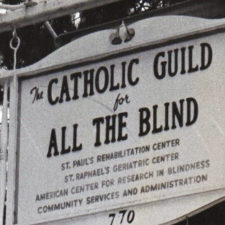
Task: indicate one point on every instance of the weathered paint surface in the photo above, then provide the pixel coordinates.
(63, 126)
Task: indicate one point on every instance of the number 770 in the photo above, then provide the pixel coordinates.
(130, 216)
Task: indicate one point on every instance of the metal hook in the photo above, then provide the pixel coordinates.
(14, 33)
(18, 43)
(17, 39)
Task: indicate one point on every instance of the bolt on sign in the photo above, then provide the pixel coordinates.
(104, 127)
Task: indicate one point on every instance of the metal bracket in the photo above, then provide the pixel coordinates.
(30, 3)
(51, 30)
(122, 35)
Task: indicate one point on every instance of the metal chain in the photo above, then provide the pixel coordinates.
(15, 49)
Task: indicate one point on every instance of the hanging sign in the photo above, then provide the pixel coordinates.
(131, 129)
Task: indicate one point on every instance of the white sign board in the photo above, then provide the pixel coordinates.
(128, 130)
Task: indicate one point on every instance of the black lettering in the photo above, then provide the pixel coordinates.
(88, 82)
(183, 61)
(206, 47)
(75, 147)
(64, 90)
(191, 67)
(51, 101)
(123, 74)
(113, 87)
(130, 68)
(177, 114)
(110, 127)
(166, 116)
(106, 79)
(173, 61)
(53, 144)
(155, 128)
(75, 76)
(64, 150)
(98, 122)
(191, 120)
(122, 125)
(145, 126)
(163, 66)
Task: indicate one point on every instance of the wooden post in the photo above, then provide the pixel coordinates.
(3, 152)
(11, 201)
